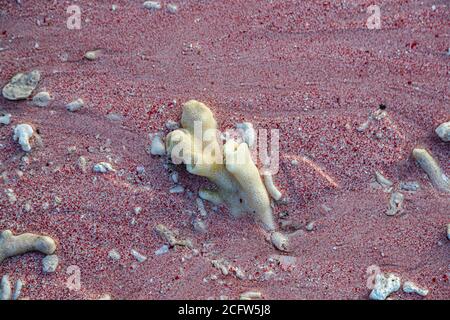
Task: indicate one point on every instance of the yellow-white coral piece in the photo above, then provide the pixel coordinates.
(23, 133)
(280, 241)
(271, 188)
(230, 167)
(11, 245)
(432, 169)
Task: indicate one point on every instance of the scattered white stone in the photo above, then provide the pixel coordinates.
(157, 147)
(82, 164)
(294, 162)
(5, 288)
(75, 105)
(382, 180)
(114, 7)
(385, 285)
(174, 177)
(105, 297)
(5, 119)
(50, 263)
(172, 8)
(443, 131)
(114, 255)
(152, 5)
(172, 125)
(164, 249)
(310, 226)
(395, 204)
(23, 133)
(411, 287)
(140, 169)
(92, 55)
(139, 257)
(410, 186)
(17, 289)
(21, 85)
(199, 226)
(248, 133)
(201, 207)
(103, 167)
(448, 231)
(177, 189)
(11, 195)
(250, 295)
(433, 7)
(137, 210)
(42, 99)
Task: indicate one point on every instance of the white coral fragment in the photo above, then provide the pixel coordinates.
(271, 188)
(385, 285)
(11, 245)
(432, 169)
(103, 167)
(411, 287)
(23, 134)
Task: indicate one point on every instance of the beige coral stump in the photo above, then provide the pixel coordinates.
(11, 245)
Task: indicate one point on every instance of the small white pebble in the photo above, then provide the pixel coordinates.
(50, 263)
(17, 290)
(42, 99)
(75, 105)
(172, 8)
(174, 177)
(114, 255)
(177, 189)
(139, 257)
(92, 55)
(152, 5)
(172, 125)
(443, 131)
(157, 147)
(310, 226)
(5, 119)
(140, 169)
(248, 133)
(201, 207)
(199, 226)
(164, 249)
(249, 295)
(103, 167)
(11, 195)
